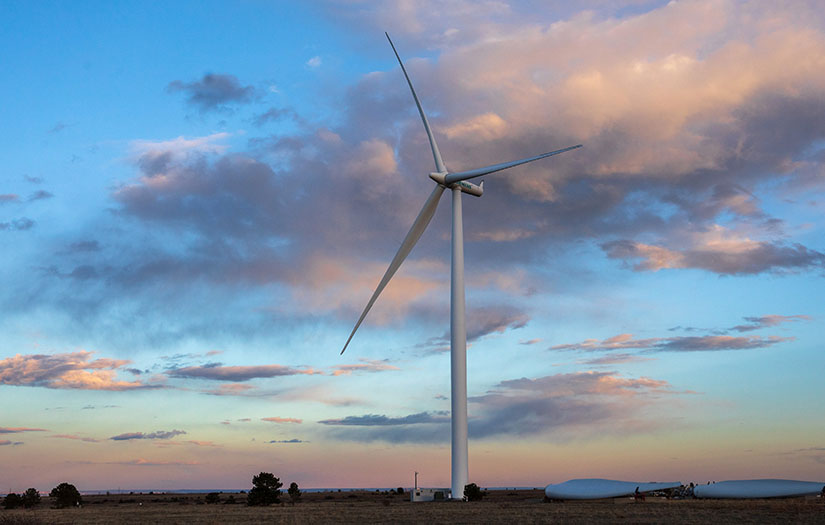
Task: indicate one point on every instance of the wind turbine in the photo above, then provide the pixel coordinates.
(457, 183)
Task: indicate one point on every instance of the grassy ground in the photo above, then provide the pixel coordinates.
(365, 507)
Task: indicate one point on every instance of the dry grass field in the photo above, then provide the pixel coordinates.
(512, 507)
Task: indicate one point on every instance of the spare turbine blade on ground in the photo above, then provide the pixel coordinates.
(471, 174)
(439, 164)
(418, 227)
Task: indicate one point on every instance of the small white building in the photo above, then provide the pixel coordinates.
(421, 494)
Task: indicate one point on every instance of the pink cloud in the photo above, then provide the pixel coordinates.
(276, 419)
(615, 359)
(238, 373)
(755, 323)
(366, 365)
(77, 438)
(231, 389)
(66, 371)
(675, 344)
(15, 430)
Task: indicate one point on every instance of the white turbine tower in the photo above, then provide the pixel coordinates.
(457, 182)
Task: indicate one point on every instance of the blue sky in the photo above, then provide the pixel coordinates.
(197, 200)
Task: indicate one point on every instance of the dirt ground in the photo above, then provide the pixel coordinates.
(523, 506)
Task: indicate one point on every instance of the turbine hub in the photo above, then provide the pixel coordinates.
(439, 177)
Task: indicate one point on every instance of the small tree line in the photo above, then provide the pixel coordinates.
(266, 490)
(64, 495)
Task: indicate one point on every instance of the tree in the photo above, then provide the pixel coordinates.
(266, 489)
(400, 491)
(30, 498)
(472, 492)
(213, 497)
(294, 492)
(66, 495)
(12, 501)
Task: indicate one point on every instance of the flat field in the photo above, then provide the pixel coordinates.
(511, 507)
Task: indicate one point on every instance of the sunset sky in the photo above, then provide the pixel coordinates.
(197, 200)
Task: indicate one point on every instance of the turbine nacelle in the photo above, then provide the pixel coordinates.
(470, 188)
(466, 187)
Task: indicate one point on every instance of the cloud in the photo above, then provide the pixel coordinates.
(214, 91)
(740, 257)
(755, 323)
(40, 195)
(58, 127)
(295, 440)
(366, 365)
(674, 344)
(73, 370)
(278, 114)
(139, 462)
(276, 419)
(581, 404)
(76, 438)
(615, 359)
(202, 443)
(584, 403)
(718, 342)
(156, 157)
(529, 341)
(482, 322)
(370, 420)
(4, 442)
(314, 62)
(21, 224)
(84, 246)
(159, 434)
(313, 215)
(423, 427)
(8, 197)
(231, 389)
(15, 430)
(218, 372)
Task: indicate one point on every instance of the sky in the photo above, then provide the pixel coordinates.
(197, 200)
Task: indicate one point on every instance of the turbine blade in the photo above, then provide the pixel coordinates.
(464, 175)
(418, 227)
(439, 164)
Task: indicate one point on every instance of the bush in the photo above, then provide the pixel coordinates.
(12, 501)
(400, 491)
(213, 497)
(30, 498)
(66, 495)
(473, 493)
(294, 492)
(266, 489)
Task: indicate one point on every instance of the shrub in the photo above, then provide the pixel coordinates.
(294, 492)
(66, 495)
(213, 497)
(472, 492)
(266, 489)
(400, 491)
(12, 501)
(30, 498)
